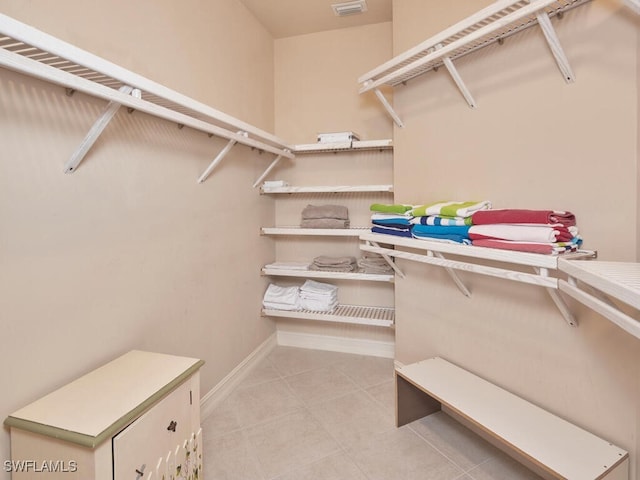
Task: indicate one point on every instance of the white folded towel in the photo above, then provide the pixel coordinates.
(283, 298)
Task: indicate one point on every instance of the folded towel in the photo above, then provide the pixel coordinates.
(327, 261)
(523, 233)
(453, 233)
(385, 218)
(311, 286)
(325, 211)
(450, 209)
(390, 208)
(531, 247)
(392, 231)
(439, 220)
(402, 225)
(283, 298)
(511, 215)
(324, 223)
(371, 262)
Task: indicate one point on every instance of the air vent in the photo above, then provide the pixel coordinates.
(349, 8)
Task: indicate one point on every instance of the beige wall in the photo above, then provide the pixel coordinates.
(129, 251)
(533, 142)
(316, 87)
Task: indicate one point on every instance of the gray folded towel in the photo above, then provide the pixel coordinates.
(325, 211)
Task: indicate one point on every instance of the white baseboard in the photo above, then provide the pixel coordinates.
(218, 393)
(360, 346)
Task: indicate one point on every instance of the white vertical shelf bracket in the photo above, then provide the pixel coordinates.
(554, 45)
(223, 153)
(268, 170)
(454, 276)
(387, 259)
(453, 71)
(97, 129)
(564, 309)
(387, 106)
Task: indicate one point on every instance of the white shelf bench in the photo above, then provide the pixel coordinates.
(550, 446)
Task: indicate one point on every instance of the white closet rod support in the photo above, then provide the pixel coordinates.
(564, 309)
(267, 171)
(387, 106)
(223, 153)
(454, 276)
(622, 320)
(554, 45)
(453, 71)
(95, 131)
(374, 247)
(30, 67)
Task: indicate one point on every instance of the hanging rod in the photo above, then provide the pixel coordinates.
(31, 52)
(491, 24)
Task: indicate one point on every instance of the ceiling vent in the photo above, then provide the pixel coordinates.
(349, 8)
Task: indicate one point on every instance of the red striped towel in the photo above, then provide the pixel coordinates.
(513, 215)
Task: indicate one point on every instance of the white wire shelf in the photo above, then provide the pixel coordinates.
(319, 232)
(361, 145)
(34, 53)
(369, 277)
(492, 24)
(433, 253)
(328, 189)
(619, 280)
(354, 314)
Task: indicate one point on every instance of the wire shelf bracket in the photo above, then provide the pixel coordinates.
(492, 24)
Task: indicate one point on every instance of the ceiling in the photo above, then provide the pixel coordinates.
(286, 18)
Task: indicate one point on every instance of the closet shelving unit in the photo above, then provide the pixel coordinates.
(352, 314)
(32, 52)
(492, 24)
(472, 260)
(594, 283)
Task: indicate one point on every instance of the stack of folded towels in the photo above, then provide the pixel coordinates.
(325, 216)
(445, 221)
(312, 295)
(325, 263)
(536, 231)
(391, 219)
(374, 263)
(317, 296)
(281, 298)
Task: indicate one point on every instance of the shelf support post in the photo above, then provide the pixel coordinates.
(554, 44)
(223, 153)
(387, 106)
(96, 130)
(453, 71)
(387, 259)
(454, 276)
(558, 300)
(268, 170)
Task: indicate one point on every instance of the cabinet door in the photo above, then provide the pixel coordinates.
(137, 448)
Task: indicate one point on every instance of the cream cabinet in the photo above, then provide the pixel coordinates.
(137, 417)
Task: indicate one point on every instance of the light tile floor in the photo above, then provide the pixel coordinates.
(314, 415)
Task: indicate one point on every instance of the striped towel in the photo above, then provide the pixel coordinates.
(397, 209)
(450, 209)
(439, 220)
(458, 234)
(523, 233)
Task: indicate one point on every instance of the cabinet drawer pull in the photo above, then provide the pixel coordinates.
(172, 426)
